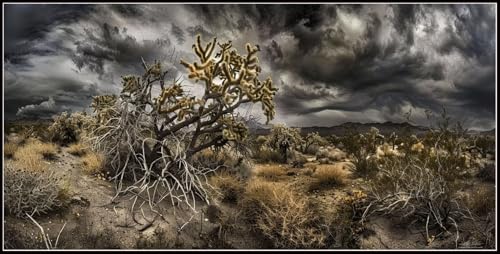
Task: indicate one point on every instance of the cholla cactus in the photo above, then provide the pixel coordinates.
(30, 192)
(280, 132)
(103, 105)
(312, 139)
(168, 128)
(68, 128)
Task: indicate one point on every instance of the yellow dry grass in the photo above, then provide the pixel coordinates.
(272, 171)
(281, 214)
(77, 149)
(227, 187)
(9, 149)
(93, 163)
(31, 155)
(329, 175)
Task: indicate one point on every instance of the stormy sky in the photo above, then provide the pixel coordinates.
(332, 63)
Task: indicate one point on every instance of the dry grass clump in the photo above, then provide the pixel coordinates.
(228, 187)
(93, 163)
(9, 149)
(36, 148)
(267, 155)
(482, 200)
(77, 149)
(328, 175)
(28, 157)
(271, 172)
(282, 215)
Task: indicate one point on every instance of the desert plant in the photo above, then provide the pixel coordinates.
(328, 175)
(227, 186)
(152, 139)
(482, 200)
(312, 139)
(30, 156)
(282, 215)
(271, 172)
(69, 128)
(77, 149)
(30, 192)
(267, 155)
(93, 163)
(283, 139)
(9, 149)
(416, 188)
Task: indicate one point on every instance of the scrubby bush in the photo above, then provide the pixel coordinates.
(482, 200)
(69, 128)
(284, 139)
(363, 148)
(283, 216)
(30, 192)
(328, 175)
(267, 155)
(77, 149)
(312, 142)
(272, 172)
(93, 163)
(227, 186)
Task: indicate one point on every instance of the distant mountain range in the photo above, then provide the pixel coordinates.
(261, 129)
(385, 129)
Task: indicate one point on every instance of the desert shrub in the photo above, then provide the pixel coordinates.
(228, 187)
(9, 149)
(312, 142)
(30, 192)
(266, 155)
(282, 215)
(284, 139)
(271, 172)
(93, 163)
(77, 149)
(69, 128)
(414, 188)
(328, 175)
(482, 200)
(363, 148)
(176, 124)
(330, 153)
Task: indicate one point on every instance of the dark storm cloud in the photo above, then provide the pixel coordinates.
(109, 43)
(178, 33)
(25, 24)
(338, 59)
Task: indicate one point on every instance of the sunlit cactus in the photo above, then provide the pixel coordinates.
(167, 126)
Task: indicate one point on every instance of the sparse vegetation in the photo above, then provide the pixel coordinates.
(9, 149)
(271, 172)
(30, 192)
(77, 149)
(227, 186)
(282, 215)
(93, 163)
(329, 175)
